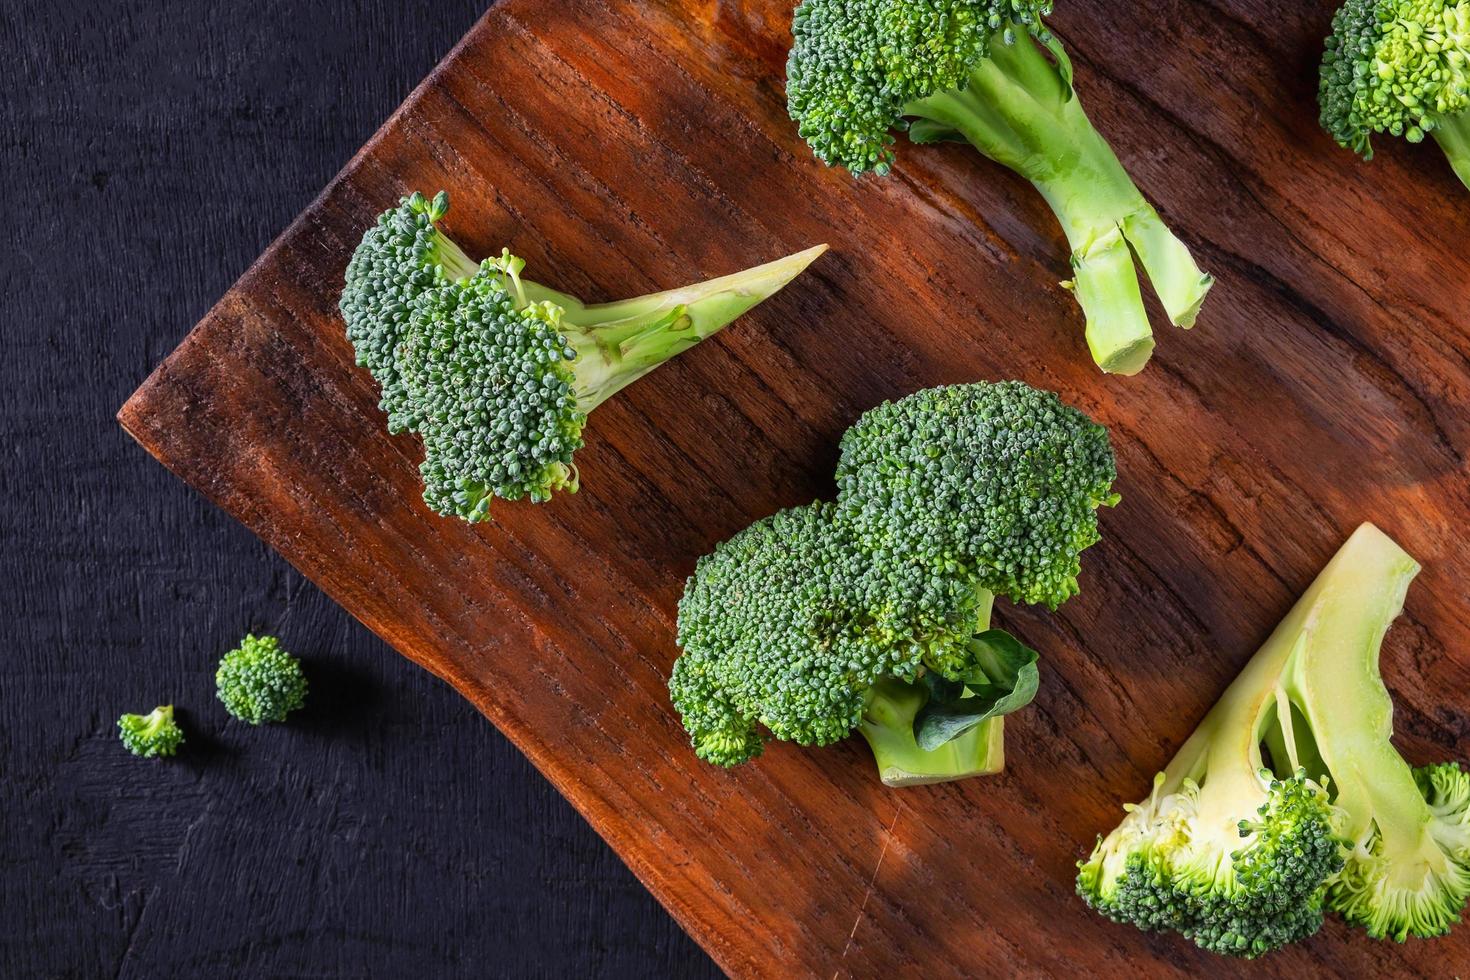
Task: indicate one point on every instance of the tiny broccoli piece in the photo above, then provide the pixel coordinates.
(1289, 798)
(497, 373)
(999, 483)
(259, 682)
(872, 613)
(989, 73)
(151, 735)
(1400, 67)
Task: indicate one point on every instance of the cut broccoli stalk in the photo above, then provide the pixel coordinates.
(888, 726)
(1290, 797)
(618, 343)
(1452, 133)
(934, 729)
(1019, 109)
(1408, 869)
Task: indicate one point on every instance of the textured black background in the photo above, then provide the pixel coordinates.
(149, 152)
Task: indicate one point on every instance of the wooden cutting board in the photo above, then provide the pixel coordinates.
(626, 148)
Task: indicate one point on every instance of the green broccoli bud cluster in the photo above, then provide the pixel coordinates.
(1241, 880)
(151, 735)
(259, 682)
(492, 387)
(824, 618)
(1394, 66)
(856, 64)
(770, 627)
(402, 258)
(998, 483)
(464, 359)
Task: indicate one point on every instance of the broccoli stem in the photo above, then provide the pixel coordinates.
(1338, 684)
(1452, 133)
(458, 266)
(618, 343)
(888, 725)
(1324, 658)
(1019, 109)
(452, 259)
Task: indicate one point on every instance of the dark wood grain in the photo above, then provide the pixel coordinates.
(625, 149)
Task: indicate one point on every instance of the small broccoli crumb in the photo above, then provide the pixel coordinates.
(259, 682)
(151, 735)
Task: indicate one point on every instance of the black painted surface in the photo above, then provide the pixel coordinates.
(150, 152)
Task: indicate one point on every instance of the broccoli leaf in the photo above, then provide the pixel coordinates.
(1004, 678)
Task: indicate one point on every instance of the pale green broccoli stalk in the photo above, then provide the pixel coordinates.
(1400, 67)
(873, 613)
(497, 373)
(151, 735)
(259, 682)
(989, 73)
(1290, 798)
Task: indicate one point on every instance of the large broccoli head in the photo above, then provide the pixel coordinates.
(492, 385)
(1394, 66)
(856, 64)
(775, 632)
(996, 483)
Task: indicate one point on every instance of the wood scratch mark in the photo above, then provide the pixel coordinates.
(873, 880)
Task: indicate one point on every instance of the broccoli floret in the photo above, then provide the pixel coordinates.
(1290, 797)
(770, 626)
(1400, 67)
(492, 385)
(873, 613)
(999, 483)
(401, 258)
(259, 682)
(790, 627)
(151, 735)
(989, 73)
(497, 373)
